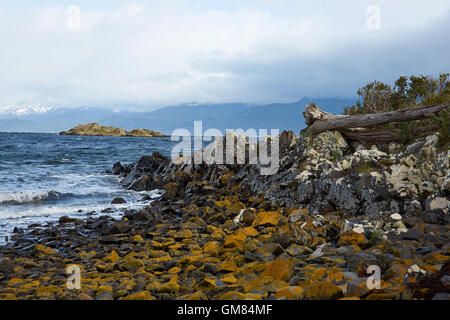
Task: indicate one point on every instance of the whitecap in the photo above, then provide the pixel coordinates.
(29, 196)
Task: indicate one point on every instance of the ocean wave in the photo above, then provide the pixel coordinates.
(154, 194)
(24, 197)
(53, 212)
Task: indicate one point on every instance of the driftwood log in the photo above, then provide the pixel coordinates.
(382, 136)
(351, 126)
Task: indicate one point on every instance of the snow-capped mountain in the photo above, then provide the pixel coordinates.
(24, 110)
(283, 116)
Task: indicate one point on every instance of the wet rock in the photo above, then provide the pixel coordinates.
(173, 190)
(151, 163)
(66, 219)
(139, 216)
(42, 251)
(6, 265)
(18, 230)
(182, 178)
(118, 228)
(117, 168)
(118, 201)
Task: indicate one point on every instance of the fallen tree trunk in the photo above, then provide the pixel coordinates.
(320, 121)
(383, 136)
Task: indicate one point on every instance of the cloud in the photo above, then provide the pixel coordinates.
(144, 55)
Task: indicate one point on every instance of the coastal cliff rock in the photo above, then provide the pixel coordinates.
(94, 129)
(324, 174)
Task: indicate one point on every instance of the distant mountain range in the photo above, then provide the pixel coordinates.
(283, 116)
(20, 110)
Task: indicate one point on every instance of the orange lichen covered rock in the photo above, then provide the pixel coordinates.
(279, 269)
(267, 218)
(320, 290)
(236, 240)
(436, 258)
(292, 293)
(351, 237)
(143, 295)
(211, 248)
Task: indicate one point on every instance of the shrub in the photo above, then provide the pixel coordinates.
(407, 93)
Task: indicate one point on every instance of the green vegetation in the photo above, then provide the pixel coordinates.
(364, 167)
(375, 235)
(408, 93)
(335, 156)
(442, 120)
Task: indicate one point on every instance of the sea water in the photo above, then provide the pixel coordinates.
(44, 176)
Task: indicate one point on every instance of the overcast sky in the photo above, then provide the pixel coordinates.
(147, 54)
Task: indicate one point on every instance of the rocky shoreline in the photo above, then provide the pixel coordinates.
(226, 232)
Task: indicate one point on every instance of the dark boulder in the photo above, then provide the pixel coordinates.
(151, 163)
(173, 191)
(66, 219)
(117, 168)
(118, 201)
(146, 183)
(117, 228)
(6, 266)
(17, 230)
(143, 175)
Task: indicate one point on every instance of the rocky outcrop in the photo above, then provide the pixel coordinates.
(94, 129)
(324, 174)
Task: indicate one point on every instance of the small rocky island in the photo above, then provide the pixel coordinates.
(94, 129)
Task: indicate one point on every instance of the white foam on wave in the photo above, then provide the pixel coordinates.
(58, 210)
(81, 184)
(42, 214)
(28, 196)
(154, 194)
(47, 211)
